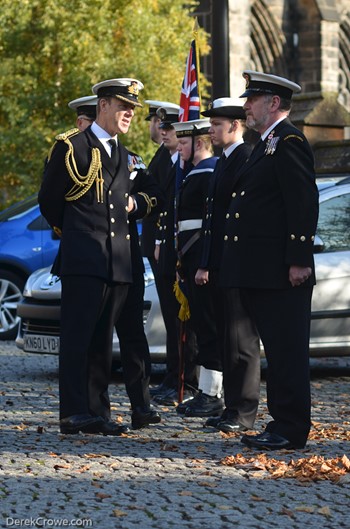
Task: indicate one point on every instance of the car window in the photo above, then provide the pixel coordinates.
(38, 224)
(334, 223)
(19, 209)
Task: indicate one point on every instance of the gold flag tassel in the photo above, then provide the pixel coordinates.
(184, 312)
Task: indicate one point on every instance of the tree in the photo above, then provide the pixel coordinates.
(52, 52)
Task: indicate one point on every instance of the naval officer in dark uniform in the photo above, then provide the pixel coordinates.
(85, 196)
(158, 168)
(268, 254)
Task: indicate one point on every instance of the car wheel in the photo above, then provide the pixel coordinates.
(11, 288)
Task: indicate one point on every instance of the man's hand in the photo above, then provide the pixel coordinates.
(201, 277)
(298, 274)
(156, 252)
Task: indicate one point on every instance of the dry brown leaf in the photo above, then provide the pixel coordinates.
(305, 508)
(257, 498)
(118, 513)
(325, 511)
(314, 468)
(102, 495)
(85, 468)
(57, 467)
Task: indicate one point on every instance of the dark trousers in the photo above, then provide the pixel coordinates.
(283, 321)
(89, 309)
(135, 356)
(241, 360)
(204, 321)
(170, 310)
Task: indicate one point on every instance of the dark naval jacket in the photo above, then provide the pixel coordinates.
(190, 206)
(272, 217)
(218, 199)
(84, 197)
(158, 168)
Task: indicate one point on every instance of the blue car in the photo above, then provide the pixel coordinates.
(26, 243)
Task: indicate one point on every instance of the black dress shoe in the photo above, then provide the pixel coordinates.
(108, 428)
(161, 389)
(189, 396)
(168, 398)
(143, 417)
(213, 421)
(267, 441)
(80, 423)
(230, 425)
(204, 405)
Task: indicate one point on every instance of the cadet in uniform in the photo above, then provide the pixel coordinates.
(237, 339)
(85, 197)
(268, 254)
(195, 147)
(85, 108)
(165, 255)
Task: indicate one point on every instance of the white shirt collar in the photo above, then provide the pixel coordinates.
(103, 136)
(174, 157)
(232, 147)
(267, 131)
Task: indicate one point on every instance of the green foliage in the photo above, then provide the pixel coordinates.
(52, 51)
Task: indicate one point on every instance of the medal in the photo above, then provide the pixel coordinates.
(271, 143)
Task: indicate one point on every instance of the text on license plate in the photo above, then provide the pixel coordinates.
(36, 343)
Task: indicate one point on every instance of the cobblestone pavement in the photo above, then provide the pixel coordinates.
(168, 476)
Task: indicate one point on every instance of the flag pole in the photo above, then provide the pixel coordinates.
(195, 38)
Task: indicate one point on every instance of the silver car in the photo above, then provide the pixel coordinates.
(330, 326)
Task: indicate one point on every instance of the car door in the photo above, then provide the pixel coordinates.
(330, 327)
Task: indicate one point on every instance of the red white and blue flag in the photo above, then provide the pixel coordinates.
(189, 100)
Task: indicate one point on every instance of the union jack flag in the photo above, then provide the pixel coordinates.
(189, 100)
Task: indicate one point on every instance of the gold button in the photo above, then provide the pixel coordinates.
(227, 215)
(302, 238)
(242, 193)
(126, 208)
(209, 232)
(161, 215)
(292, 237)
(127, 237)
(112, 234)
(312, 237)
(205, 232)
(109, 192)
(112, 220)
(126, 195)
(160, 228)
(164, 227)
(237, 215)
(235, 238)
(111, 206)
(225, 238)
(207, 216)
(234, 195)
(207, 199)
(165, 213)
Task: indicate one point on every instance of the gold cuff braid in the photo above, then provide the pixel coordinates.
(150, 201)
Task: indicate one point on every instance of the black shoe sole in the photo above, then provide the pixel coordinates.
(93, 427)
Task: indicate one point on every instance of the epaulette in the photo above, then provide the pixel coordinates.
(68, 134)
(293, 136)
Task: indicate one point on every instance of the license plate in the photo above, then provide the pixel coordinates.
(37, 343)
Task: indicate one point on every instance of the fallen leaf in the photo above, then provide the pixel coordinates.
(118, 513)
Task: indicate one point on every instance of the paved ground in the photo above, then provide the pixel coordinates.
(169, 476)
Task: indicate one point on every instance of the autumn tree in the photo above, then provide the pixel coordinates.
(52, 51)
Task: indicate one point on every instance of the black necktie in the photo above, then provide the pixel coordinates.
(114, 151)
